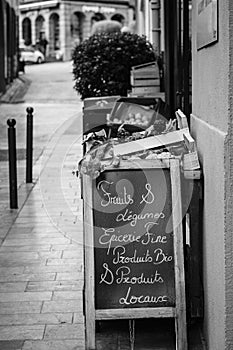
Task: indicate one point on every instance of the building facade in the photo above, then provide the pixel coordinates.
(66, 23)
(211, 123)
(9, 14)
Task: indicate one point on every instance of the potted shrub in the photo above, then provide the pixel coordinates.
(102, 63)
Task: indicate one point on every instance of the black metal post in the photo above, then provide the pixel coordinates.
(171, 70)
(186, 59)
(12, 164)
(29, 142)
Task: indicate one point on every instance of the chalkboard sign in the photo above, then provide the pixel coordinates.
(133, 246)
(133, 239)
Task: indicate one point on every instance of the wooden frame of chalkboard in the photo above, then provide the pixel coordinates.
(171, 303)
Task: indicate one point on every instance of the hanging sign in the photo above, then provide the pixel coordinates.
(207, 28)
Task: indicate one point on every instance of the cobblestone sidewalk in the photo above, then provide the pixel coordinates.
(41, 273)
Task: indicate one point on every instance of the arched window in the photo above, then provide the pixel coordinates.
(54, 32)
(119, 18)
(39, 27)
(76, 27)
(27, 31)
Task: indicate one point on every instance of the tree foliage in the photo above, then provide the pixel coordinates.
(102, 63)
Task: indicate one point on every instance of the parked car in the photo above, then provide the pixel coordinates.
(29, 54)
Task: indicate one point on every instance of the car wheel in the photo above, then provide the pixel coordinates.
(39, 60)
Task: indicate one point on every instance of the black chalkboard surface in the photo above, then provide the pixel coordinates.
(133, 239)
(133, 245)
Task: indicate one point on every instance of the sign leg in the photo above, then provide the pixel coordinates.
(181, 324)
(89, 264)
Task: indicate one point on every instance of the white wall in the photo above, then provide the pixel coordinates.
(211, 125)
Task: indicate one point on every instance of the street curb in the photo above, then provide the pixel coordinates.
(25, 189)
(16, 90)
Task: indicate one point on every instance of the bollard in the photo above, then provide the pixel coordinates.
(12, 163)
(29, 137)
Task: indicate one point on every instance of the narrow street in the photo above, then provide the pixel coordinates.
(41, 252)
(41, 272)
(53, 99)
(56, 105)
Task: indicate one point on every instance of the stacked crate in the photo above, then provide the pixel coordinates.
(145, 79)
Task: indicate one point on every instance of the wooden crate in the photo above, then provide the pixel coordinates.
(145, 79)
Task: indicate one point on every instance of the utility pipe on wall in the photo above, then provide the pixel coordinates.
(156, 29)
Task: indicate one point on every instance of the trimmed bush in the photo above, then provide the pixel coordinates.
(102, 63)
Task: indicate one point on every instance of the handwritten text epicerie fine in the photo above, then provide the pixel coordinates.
(110, 238)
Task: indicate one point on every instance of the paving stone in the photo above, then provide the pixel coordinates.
(20, 307)
(21, 332)
(26, 258)
(11, 270)
(66, 247)
(46, 229)
(34, 214)
(27, 248)
(62, 306)
(34, 234)
(11, 344)
(33, 220)
(65, 276)
(62, 295)
(72, 254)
(52, 268)
(25, 296)
(12, 287)
(19, 231)
(27, 277)
(74, 344)
(67, 331)
(8, 262)
(19, 255)
(51, 262)
(36, 318)
(53, 286)
(78, 318)
(32, 241)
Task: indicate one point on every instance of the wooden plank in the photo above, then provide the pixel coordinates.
(154, 94)
(192, 174)
(181, 119)
(149, 142)
(181, 325)
(132, 313)
(145, 74)
(196, 258)
(145, 65)
(139, 164)
(146, 82)
(89, 263)
(145, 89)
